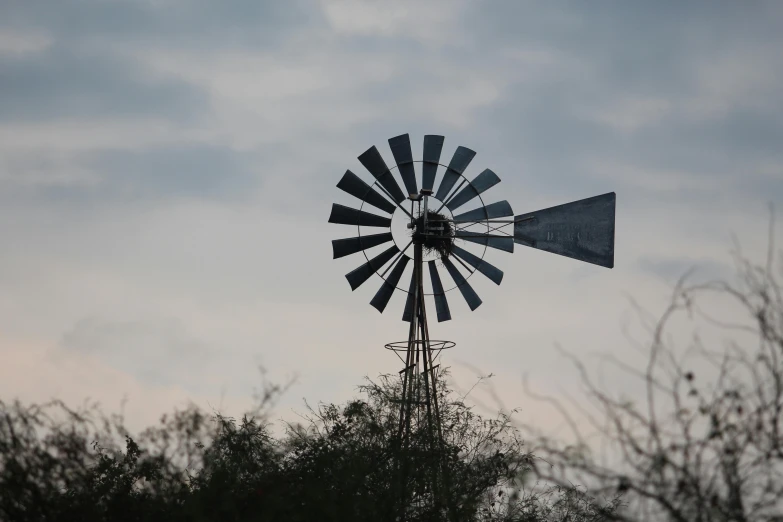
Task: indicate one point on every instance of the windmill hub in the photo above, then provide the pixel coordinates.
(436, 233)
(436, 236)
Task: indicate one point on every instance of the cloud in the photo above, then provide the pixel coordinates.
(62, 84)
(151, 173)
(157, 352)
(15, 42)
(632, 114)
(167, 168)
(670, 269)
(404, 20)
(199, 24)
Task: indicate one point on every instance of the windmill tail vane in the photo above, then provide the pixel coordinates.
(448, 227)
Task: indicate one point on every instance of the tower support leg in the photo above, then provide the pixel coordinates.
(419, 371)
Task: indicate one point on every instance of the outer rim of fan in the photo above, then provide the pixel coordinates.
(364, 251)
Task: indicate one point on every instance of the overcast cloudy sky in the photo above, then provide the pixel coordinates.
(167, 168)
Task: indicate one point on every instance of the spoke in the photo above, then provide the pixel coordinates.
(399, 205)
(355, 186)
(492, 211)
(441, 304)
(386, 290)
(494, 274)
(480, 184)
(467, 291)
(486, 223)
(395, 259)
(466, 267)
(448, 199)
(505, 243)
(362, 273)
(373, 162)
(459, 162)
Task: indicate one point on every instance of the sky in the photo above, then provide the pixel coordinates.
(167, 168)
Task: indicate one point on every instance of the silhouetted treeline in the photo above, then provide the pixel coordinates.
(337, 465)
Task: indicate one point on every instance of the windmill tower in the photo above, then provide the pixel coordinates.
(449, 228)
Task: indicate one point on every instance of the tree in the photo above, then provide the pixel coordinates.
(339, 464)
(706, 445)
(484, 460)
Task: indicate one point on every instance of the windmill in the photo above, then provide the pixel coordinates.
(448, 228)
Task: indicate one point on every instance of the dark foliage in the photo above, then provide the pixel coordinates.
(339, 465)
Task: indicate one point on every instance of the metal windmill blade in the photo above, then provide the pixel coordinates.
(373, 162)
(433, 145)
(360, 274)
(492, 211)
(441, 303)
(470, 295)
(401, 148)
(350, 216)
(353, 185)
(459, 162)
(386, 290)
(352, 245)
(494, 274)
(483, 182)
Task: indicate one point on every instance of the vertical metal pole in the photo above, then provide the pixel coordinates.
(410, 380)
(424, 216)
(445, 490)
(413, 336)
(407, 375)
(421, 326)
(435, 447)
(409, 358)
(421, 317)
(432, 463)
(402, 436)
(419, 349)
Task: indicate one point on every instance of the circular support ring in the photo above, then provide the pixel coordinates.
(402, 346)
